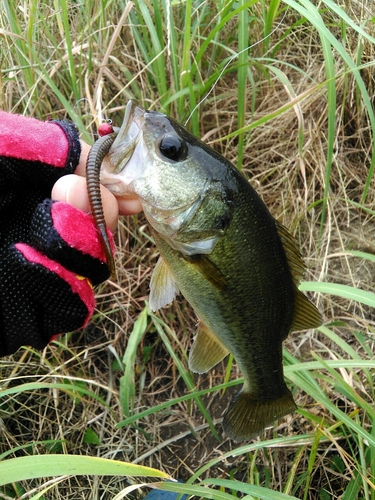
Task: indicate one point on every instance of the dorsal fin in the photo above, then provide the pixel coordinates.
(293, 255)
(207, 351)
(305, 314)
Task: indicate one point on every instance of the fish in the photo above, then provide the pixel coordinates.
(220, 247)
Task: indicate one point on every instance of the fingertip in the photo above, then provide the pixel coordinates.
(129, 206)
(73, 189)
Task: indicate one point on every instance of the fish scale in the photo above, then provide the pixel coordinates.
(257, 301)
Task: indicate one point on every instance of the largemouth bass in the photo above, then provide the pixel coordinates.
(221, 248)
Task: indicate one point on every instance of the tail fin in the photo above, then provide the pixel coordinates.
(248, 416)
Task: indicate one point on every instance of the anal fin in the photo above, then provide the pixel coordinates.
(206, 352)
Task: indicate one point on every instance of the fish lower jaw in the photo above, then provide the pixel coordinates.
(119, 189)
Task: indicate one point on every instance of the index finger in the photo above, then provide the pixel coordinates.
(72, 189)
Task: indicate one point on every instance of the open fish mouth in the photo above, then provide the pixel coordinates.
(121, 151)
(127, 134)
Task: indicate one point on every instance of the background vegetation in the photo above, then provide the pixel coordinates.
(288, 90)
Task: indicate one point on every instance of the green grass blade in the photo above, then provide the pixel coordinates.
(311, 462)
(243, 43)
(219, 26)
(301, 380)
(127, 381)
(353, 488)
(335, 7)
(310, 12)
(31, 467)
(167, 404)
(154, 50)
(342, 344)
(371, 461)
(194, 490)
(70, 388)
(185, 62)
(292, 476)
(68, 41)
(301, 440)
(344, 388)
(29, 447)
(344, 291)
(249, 489)
(271, 12)
(362, 255)
(203, 491)
(307, 366)
(20, 43)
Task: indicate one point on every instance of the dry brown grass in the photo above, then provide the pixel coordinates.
(290, 181)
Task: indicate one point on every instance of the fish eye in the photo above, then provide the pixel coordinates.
(172, 147)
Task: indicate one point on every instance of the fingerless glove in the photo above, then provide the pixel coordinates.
(50, 253)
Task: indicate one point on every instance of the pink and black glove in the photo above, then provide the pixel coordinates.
(50, 254)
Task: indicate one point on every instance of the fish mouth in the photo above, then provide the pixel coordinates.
(127, 138)
(113, 174)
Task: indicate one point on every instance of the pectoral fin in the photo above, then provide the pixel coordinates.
(206, 352)
(163, 288)
(208, 270)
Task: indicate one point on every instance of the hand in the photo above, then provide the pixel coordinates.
(72, 189)
(50, 255)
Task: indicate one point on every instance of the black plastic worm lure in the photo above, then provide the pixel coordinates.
(94, 161)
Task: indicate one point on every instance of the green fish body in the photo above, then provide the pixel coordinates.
(221, 248)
